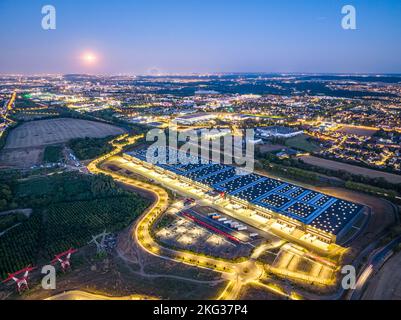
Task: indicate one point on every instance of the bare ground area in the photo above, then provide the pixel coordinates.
(119, 275)
(335, 165)
(54, 131)
(386, 284)
(21, 158)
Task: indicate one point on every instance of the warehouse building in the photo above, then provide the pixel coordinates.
(319, 215)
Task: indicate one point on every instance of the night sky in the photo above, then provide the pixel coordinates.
(186, 36)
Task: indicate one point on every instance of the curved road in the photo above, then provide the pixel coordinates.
(374, 264)
(82, 295)
(238, 273)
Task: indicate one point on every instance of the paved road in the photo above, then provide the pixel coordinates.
(374, 264)
(82, 295)
(142, 229)
(239, 274)
(386, 284)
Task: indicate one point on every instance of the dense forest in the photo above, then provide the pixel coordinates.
(90, 148)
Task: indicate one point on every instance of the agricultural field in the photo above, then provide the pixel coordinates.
(336, 165)
(267, 147)
(19, 247)
(25, 145)
(67, 210)
(72, 224)
(302, 142)
(9, 220)
(20, 158)
(55, 131)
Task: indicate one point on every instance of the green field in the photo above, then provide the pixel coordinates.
(67, 210)
(302, 142)
(72, 224)
(19, 247)
(9, 220)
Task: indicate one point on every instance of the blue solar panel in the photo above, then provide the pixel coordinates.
(259, 189)
(240, 182)
(220, 177)
(287, 189)
(310, 207)
(309, 196)
(189, 167)
(334, 218)
(209, 169)
(275, 201)
(296, 193)
(300, 210)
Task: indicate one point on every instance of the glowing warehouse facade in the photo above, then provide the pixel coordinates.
(321, 216)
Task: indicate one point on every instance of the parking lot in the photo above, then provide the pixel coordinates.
(300, 263)
(258, 235)
(185, 234)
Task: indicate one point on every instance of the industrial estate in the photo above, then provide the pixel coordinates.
(324, 218)
(87, 190)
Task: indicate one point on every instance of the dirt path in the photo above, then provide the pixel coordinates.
(26, 212)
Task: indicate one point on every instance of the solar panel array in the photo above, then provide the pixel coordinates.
(321, 211)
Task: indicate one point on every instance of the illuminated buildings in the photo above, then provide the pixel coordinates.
(277, 132)
(195, 118)
(319, 216)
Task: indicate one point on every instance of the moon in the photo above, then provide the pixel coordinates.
(89, 58)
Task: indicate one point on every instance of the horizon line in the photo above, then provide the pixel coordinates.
(204, 74)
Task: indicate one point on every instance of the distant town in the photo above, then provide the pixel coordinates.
(344, 118)
(79, 191)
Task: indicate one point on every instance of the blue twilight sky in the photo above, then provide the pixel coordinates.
(185, 36)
